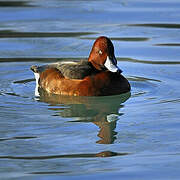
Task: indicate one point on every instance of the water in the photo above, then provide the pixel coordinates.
(129, 136)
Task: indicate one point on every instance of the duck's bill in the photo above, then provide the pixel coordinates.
(111, 65)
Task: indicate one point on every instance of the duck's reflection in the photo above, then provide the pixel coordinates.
(102, 111)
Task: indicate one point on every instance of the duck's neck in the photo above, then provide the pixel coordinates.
(96, 67)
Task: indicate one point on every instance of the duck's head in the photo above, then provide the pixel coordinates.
(102, 55)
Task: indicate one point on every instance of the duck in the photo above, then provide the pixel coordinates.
(99, 75)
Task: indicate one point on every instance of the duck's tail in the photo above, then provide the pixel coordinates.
(34, 69)
(36, 72)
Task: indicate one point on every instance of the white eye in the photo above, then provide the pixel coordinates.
(100, 52)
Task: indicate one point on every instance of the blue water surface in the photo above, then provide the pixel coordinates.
(129, 136)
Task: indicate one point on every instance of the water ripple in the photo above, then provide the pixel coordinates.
(13, 138)
(12, 34)
(158, 25)
(137, 78)
(101, 154)
(50, 172)
(15, 4)
(24, 81)
(169, 101)
(168, 44)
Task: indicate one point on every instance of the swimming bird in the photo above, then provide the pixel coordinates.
(97, 76)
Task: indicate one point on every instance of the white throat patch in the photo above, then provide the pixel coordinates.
(110, 66)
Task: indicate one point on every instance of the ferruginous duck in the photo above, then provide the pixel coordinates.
(99, 76)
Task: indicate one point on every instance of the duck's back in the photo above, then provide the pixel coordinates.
(68, 69)
(75, 70)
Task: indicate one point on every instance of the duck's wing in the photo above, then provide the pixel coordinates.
(74, 70)
(68, 69)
